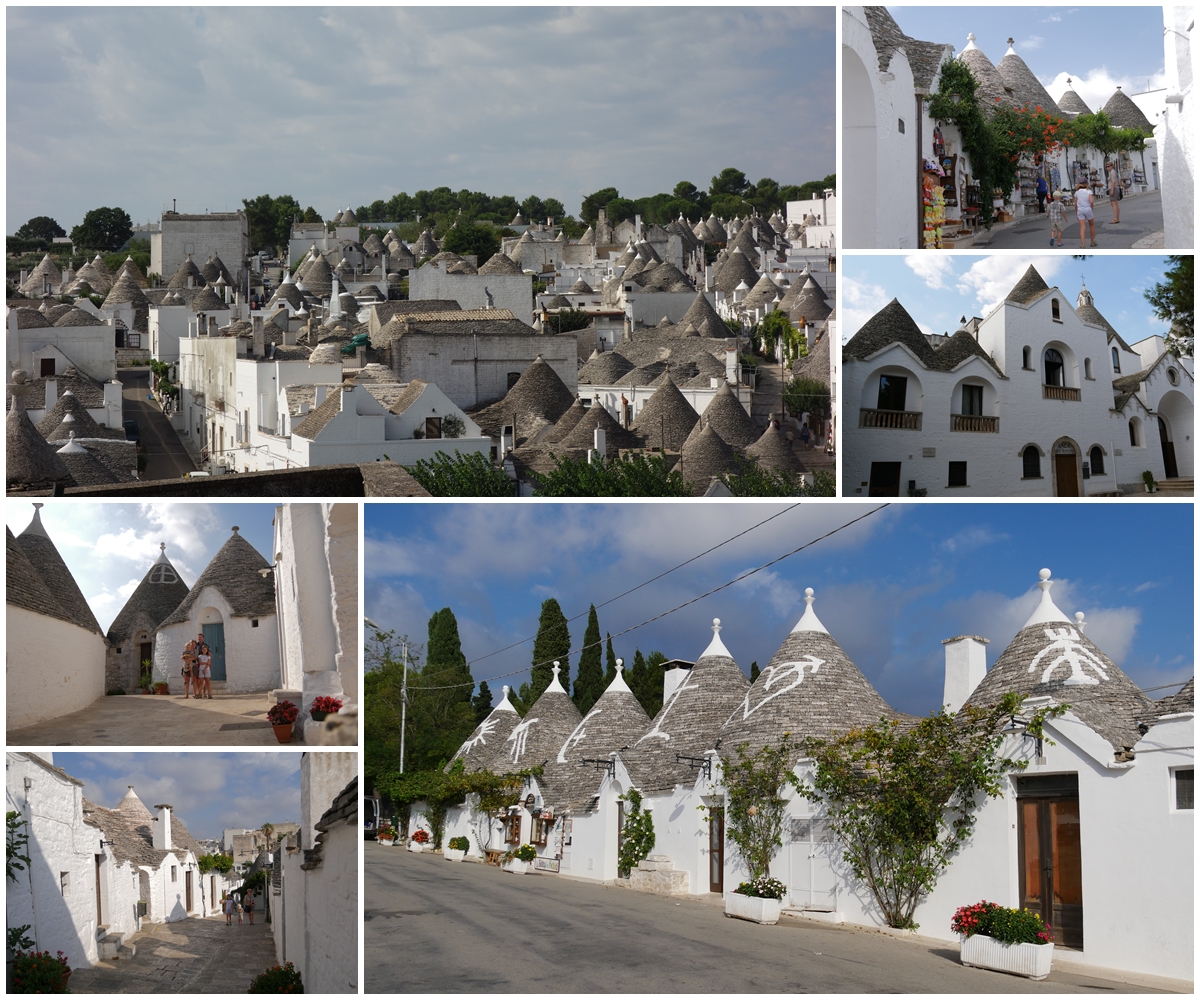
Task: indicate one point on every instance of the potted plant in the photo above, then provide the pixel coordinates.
(162, 687)
(279, 979)
(386, 835)
(146, 679)
(40, 972)
(1149, 480)
(281, 716)
(18, 941)
(323, 706)
(517, 862)
(417, 842)
(456, 849)
(760, 900)
(994, 937)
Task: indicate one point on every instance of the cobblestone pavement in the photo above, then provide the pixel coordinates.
(189, 956)
(463, 925)
(158, 720)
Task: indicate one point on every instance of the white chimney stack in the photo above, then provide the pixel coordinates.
(966, 665)
(161, 837)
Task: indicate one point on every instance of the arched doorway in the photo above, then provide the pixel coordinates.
(213, 627)
(1176, 411)
(1170, 468)
(1066, 470)
(859, 153)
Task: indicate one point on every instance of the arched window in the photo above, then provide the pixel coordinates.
(1097, 457)
(1087, 367)
(1025, 352)
(1054, 313)
(1133, 436)
(1054, 367)
(1031, 463)
(1116, 360)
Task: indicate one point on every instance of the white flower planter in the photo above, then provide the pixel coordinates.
(415, 847)
(387, 841)
(516, 867)
(451, 854)
(761, 911)
(1029, 960)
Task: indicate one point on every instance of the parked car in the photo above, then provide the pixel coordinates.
(132, 431)
(370, 817)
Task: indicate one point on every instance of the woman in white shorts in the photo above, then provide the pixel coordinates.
(1084, 213)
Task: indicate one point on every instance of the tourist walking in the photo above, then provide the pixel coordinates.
(1041, 194)
(204, 662)
(248, 902)
(227, 906)
(1084, 213)
(1058, 218)
(1115, 194)
(805, 436)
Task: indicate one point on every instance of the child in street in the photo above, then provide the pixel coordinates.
(1058, 218)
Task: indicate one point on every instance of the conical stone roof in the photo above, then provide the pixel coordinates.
(604, 369)
(85, 468)
(485, 749)
(373, 245)
(187, 269)
(991, 87)
(45, 559)
(666, 419)
(715, 231)
(206, 301)
(318, 278)
(68, 405)
(161, 591)
(580, 287)
(125, 291)
(764, 292)
(29, 459)
(809, 688)
(581, 438)
(1025, 86)
(705, 456)
(426, 245)
(134, 808)
(1050, 656)
(809, 303)
(702, 312)
(547, 725)
(726, 415)
(46, 269)
(588, 238)
(538, 397)
(566, 423)
(736, 269)
(1029, 288)
(234, 572)
(690, 720)
(1071, 103)
(1125, 114)
(499, 263)
(75, 316)
(774, 451)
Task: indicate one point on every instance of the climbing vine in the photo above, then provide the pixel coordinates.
(637, 835)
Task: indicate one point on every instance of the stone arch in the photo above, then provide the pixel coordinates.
(1178, 413)
(1066, 468)
(1031, 455)
(914, 397)
(860, 150)
(1069, 362)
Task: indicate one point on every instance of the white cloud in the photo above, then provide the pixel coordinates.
(933, 269)
(1097, 85)
(858, 301)
(992, 278)
(1031, 44)
(970, 539)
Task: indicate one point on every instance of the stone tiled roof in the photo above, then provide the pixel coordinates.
(125, 291)
(45, 559)
(604, 369)
(728, 417)
(581, 438)
(806, 300)
(500, 263)
(77, 317)
(538, 397)
(705, 456)
(924, 58)
(316, 419)
(1085, 309)
(580, 287)
(815, 364)
(46, 269)
(206, 300)
(85, 468)
(156, 597)
(1029, 289)
(666, 419)
(25, 588)
(234, 572)
(537, 738)
(1125, 114)
(132, 835)
(689, 722)
(736, 269)
(702, 314)
(566, 423)
(774, 451)
(187, 269)
(1072, 104)
(29, 459)
(29, 318)
(485, 749)
(1025, 86)
(893, 325)
(1183, 700)
(991, 88)
(343, 811)
(81, 421)
(464, 322)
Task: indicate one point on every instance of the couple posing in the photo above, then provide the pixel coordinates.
(197, 669)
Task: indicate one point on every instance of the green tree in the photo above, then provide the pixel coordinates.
(654, 682)
(687, 191)
(553, 642)
(620, 209)
(567, 321)
(589, 679)
(270, 220)
(902, 801)
(478, 238)
(754, 671)
(103, 229)
(754, 803)
(1174, 299)
(754, 480)
(631, 475)
(610, 661)
(589, 211)
(806, 395)
(41, 227)
(470, 475)
(444, 660)
(635, 677)
(534, 209)
(775, 328)
(482, 702)
(765, 196)
(729, 182)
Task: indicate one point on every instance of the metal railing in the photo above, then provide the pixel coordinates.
(980, 425)
(1060, 392)
(902, 420)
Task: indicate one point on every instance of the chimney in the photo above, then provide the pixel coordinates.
(731, 361)
(506, 439)
(319, 395)
(360, 356)
(256, 323)
(289, 335)
(191, 281)
(161, 837)
(599, 445)
(966, 665)
(672, 679)
(24, 277)
(51, 392)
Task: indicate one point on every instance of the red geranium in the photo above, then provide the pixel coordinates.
(323, 703)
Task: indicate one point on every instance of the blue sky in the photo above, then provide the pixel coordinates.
(109, 546)
(937, 289)
(208, 791)
(889, 589)
(1098, 47)
(135, 106)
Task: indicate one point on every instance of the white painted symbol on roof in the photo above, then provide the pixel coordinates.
(662, 716)
(780, 679)
(518, 737)
(479, 739)
(1065, 642)
(578, 735)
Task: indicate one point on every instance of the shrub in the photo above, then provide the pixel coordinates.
(420, 837)
(763, 887)
(526, 852)
(39, 972)
(1001, 923)
(282, 713)
(280, 979)
(637, 836)
(387, 832)
(459, 844)
(453, 426)
(112, 691)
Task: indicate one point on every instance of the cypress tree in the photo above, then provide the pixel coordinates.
(610, 662)
(589, 680)
(754, 671)
(482, 702)
(444, 660)
(553, 642)
(654, 683)
(635, 677)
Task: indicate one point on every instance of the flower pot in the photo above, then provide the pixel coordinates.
(515, 867)
(761, 911)
(1029, 960)
(452, 854)
(318, 716)
(161, 688)
(387, 841)
(283, 731)
(415, 847)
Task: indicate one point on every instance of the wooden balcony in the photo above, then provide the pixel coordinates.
(976, 425)
(1060, 392)
(900, 420)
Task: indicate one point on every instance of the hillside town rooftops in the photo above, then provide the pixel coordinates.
(538, 397)
(704, 457)
(728, 417)
(774, 451)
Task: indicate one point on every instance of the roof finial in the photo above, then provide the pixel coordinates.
(620, 665)
(809, 622)
(1046, 611)
(1046, 583)
(716, 626)
(235, 529)
(1079, 622)
(162, 547)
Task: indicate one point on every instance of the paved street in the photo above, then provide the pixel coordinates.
(432, 926)
(158, 720)
(166, 457)
(1140, 217)
(189, 956)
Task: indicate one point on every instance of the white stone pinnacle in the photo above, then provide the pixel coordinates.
(505, 705)
(618, 682)
(716, 647)
(809, 622)
(556, 684)
(1047, 610)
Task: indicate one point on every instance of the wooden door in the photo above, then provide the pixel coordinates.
(187, 891)
(1170, 469)
(214, 637)
(716, 849)
(1050, 856)
(1065, 474)
(885, 479)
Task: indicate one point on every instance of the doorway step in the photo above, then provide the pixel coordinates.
(112, 946)
(1177, 487)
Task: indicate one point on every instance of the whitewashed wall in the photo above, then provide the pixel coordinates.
(53, 667)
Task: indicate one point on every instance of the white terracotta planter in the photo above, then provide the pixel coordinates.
(450, 854)
(516, 867)
(761, 911)
(1029, 960)
(387, 841)
(415, 847)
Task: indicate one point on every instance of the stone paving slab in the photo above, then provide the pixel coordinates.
(189, 956)
(158, 720)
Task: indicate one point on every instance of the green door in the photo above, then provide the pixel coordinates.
(214, 637)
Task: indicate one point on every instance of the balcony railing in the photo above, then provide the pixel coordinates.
(1060, 392)
(901, 420)
(978, 425)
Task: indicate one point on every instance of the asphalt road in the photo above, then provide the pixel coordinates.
(1140, 217)
(166, 457)
(432, 926)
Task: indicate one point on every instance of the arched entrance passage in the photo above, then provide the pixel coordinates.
(1170, 467)
(1066, 469)
(1177, 413)
(859, 156)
